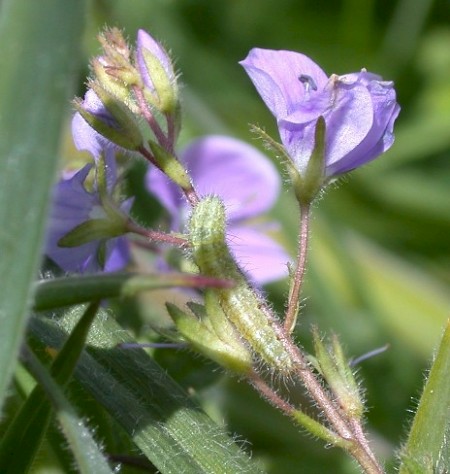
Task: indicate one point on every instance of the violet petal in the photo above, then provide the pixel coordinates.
(240, 174)
(276, 76)
(237, 172)
(145, 41)
(260, 257)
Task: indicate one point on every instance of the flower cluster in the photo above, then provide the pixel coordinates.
(215, 191)
(358, 111)
(241, 175)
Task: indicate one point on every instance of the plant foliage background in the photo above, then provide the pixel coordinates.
(379, 266)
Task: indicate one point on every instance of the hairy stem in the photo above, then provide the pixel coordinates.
(349, 429)
(155, 236)
(170, 131)
(346, 427)
(297, 415)
(150, 118)
(297, 279)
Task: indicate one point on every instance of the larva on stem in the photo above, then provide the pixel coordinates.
(241, 304)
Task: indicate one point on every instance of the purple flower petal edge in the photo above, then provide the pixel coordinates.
(359, 109)
(72, 205)
(145, 41)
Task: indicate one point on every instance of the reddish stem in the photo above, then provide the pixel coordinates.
(270, 395)
(347, 428)
(297, 280)
(156, 236)
(150, 118)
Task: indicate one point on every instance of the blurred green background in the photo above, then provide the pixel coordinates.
(380, 253)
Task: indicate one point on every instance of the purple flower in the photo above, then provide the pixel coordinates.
(73, 205)
(249, 185)
(359, 109)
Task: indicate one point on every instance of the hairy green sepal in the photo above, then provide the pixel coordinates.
(166, 100)
(170, 166)
(126, 132)
(336, 370)
(223, 346)
(308, 184)
(93, 229)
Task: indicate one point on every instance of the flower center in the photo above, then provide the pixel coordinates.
(334, 83)
(308, 83)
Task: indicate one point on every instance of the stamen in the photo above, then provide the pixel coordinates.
(368, 355)
(308, 82)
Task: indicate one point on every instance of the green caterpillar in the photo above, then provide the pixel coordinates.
(241, 304)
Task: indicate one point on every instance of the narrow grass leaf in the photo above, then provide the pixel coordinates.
(427, 447)
(86, 453)
(171, 431)
(31, 422)
(40, 43)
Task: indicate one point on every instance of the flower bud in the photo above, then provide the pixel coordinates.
(170, 166)
(120, 127)
(337, 372)
(158, 76)
(124, 89)
(241, 304)
(224, 347)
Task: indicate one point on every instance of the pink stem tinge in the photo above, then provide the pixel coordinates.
(297, 279)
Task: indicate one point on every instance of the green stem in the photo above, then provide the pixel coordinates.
(301, 418)
(347, 428)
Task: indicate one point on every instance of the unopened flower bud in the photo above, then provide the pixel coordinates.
(228, 351)
(337, 372)
(113, 120)
(155, 67)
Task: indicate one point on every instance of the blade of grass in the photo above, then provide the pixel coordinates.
(85, 451)
(40, 42)
(427, 445)
(30, 424)
(174, 433)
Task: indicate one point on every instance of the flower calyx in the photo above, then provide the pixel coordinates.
(335, 369)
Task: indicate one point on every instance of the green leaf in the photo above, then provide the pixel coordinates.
(427, 447)
(86, 453)
(174, 434)
(30, 424)
(93, 229)
(40, 43)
